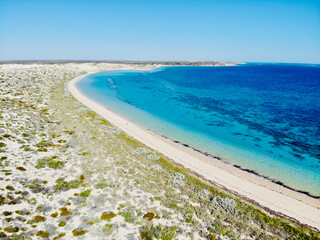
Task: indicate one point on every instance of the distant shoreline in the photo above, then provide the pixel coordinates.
(164, 63)
(277, 199)
(187, 63)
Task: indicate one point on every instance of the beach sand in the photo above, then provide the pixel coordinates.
(274, 198)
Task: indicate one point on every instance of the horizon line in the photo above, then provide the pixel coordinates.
(139, 61)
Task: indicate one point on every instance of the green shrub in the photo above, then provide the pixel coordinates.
(64, 185)
(27, 149)
(101, 185)
(49, 162)
(85, 193)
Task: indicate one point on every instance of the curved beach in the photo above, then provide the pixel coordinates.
(272, 197)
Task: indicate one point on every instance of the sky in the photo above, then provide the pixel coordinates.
(166, 30)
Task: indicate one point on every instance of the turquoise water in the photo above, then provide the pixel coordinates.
(263, 118)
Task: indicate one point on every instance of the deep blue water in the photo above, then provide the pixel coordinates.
(264, 118)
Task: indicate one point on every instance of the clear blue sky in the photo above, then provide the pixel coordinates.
(227, 30)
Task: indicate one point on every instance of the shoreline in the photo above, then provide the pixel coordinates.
(241, 168)
(274, 198)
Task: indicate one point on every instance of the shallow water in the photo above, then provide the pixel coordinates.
(265, 118)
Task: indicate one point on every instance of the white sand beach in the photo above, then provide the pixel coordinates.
(271, 196)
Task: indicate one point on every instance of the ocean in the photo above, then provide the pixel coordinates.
(264, 118)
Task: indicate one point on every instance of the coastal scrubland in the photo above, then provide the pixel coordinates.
(66, 173)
